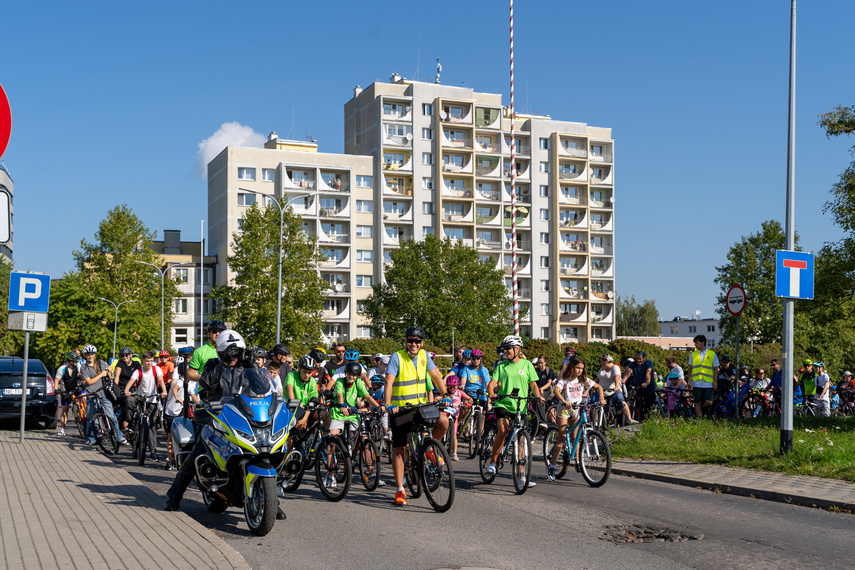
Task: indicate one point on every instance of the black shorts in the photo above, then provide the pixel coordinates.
(167, 423)
(65, 398)
(401, 425)
(703, 395)
(503, 414)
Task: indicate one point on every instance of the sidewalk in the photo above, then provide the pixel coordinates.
(796, 489)
(68, 506)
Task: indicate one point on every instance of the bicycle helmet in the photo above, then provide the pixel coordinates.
(351, 354)
(415, 331)
(819, 364)
(452, 380)
(570, 351)
(89, 349)
(216, 325)
(230, 344)
(511, 340)
(185, 350)
(125, 351)
(353, 368)
(71, 356)
(163, 352)
(467, 354)
(307, 363)
(477, 353)
(280, 349)
(258, 352)
(377, 379)
(807, 362)
(318, 355)
(725, 358)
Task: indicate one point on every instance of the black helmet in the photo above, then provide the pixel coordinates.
(318, 355)
(353, 368)
(725, 358)
(415, 330)
(71, 356)
(216, 325)
(258, 352)
(125, 351)
(307, 363)
(280, 349)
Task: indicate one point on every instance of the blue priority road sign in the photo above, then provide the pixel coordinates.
(794, 274)
(29, 292)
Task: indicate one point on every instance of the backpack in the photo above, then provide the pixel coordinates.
(71, 380)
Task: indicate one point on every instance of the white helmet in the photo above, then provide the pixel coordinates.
(227, 339)
(512, 340)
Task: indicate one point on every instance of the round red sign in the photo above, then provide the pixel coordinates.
(735, 300)
(5, 121)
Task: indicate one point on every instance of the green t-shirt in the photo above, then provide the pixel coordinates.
(512, 376)
(808, 383)
(302, 391)
(202, 355)
(351, 395)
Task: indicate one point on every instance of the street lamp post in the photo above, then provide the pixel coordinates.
(281, 223)
(162, 273)
(116, 318)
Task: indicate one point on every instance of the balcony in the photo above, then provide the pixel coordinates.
(601, 335)
(397, 110)
(601, 175)
(572, 293)
(603, 225)
(462, 168)
(523, 148)
(457, 218)
(333, 183)
(579, 317)
(605, 155)
(572, 245)
(578, 270)
(394, 188)
(578, 220)
(396, 239)
(488, 244)
(488, 195)
(521, 222)
(456, 192)
(604, 317)
(567, 198)
(395, 216)
(456, 139)
(406, 166)
(487, 118)
(522, 196)
(458, 114)
(333, 238)
(303, 180)
(604, 295)
(490, 146)
(489, 220)
(602, 250)
(336, 287)
(301, 209)
(522, 244)
(602, 268)
(572, 152)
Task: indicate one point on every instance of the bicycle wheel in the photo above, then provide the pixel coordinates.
(79, 409)
(596, 459)
(486, 455)
(552, 415)
(369, 464)
(291, 481)
(142, 441)
(411, 474)
(532, 422)
(375, 430)
(105, 434)
(549, 441)
(437, 475)
(751, 407)
(333, 469)
(521, 461)
(474, 433)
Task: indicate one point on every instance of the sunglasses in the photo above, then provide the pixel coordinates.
(414, 340)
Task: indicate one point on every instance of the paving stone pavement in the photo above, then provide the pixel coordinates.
(796, 489)
(65, 504)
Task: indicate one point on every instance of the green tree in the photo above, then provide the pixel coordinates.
(249, 302)
(437, 285)
(841, 121)
(636, 319)
(751, 263)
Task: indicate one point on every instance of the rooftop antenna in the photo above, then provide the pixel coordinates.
(438, 71)
(418, 58)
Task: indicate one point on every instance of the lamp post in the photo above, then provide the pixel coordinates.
(281, 223)
(116, 318)
(162, 273)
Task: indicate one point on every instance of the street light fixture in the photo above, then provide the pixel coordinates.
(281, 223)
(162, 273)
(116, 318)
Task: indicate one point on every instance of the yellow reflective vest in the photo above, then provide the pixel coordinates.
(702, 370)
(409, 386)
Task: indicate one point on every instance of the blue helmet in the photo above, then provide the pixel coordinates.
(351, 354)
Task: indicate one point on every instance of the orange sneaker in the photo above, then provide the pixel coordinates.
(401, 499)
(431, 456)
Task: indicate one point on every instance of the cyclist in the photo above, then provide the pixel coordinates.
(406, 384)
(726, 375)
(638, 374)
(205, 352)
(512, 373)
(146, 380)
(822, 393)
(807, 379)
(300, 384)
(378, 392)
(166, 365)
(475, 376)
(457, 397)
(67, 378)
(569, 352)
(281, 354)
(92, 373)
(122, 372)
(609, 378)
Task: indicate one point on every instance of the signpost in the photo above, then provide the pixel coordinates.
(735, 304)
(29, 299)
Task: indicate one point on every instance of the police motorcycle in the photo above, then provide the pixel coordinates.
(244, 438)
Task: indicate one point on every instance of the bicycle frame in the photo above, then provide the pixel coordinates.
(579, 427)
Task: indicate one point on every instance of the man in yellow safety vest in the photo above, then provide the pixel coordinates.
(703, 375)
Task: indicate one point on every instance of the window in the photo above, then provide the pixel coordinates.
(674, 330)
(364, 280)
(364, 255)
(710, 328)
(395, 109)
(544, 214)
(597, 173)
(597, 333)
(544, 192)
(544, 308)
(268, 174)
(427, 158)
(454, 136)
(452, 209)
(427, 109)
(544, 144)
(544, 238)
(544, 261)
(597, 151)
(364, 231)
(543, 167)
(454, 112)
(364, 331)
(332, 254)
(453, 233)
(712, 344)
(246, 199)
(180, 306)
(544, 285)
(206, 276)
(397, 130)
(333, 230)
(394, 158)
(364, 181)
(180, 275)
(544, 332)
(428, 208)
(333, 305)
(364, 206)
(693, 329)
(360, 306)
(455, 160)
(427, 134)
(484, 235)
(246, 174)
(180, 336)
(240, 225)
(428, 231)
(427, 183)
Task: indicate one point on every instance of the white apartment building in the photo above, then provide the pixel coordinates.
(686, 327)
(333, 193)
(442, 166)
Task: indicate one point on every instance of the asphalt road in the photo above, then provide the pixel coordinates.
(553, 524)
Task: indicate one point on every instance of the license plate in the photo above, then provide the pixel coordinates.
(12, 391)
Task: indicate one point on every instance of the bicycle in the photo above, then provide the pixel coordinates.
(427, 465)
(472, 424)
(359, 444)
(517, 449)
(138, 436)
(757, 404)
(78, 410)
(590, 448)
(684, 405)
(105, 432)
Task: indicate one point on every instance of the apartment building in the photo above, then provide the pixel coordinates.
(7, 187)
(689, 327)
(333, 193)
(442, 166)
(182, 263)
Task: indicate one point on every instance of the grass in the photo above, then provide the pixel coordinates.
(823, 447)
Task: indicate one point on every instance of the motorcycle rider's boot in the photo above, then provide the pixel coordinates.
(280, 514)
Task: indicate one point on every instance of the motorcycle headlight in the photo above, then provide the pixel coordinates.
(278, 435)
(245, 435)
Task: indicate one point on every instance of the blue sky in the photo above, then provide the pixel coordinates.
(111, 101)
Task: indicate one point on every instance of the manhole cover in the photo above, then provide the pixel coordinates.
(636, 533)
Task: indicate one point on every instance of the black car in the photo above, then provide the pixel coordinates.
(41, 399)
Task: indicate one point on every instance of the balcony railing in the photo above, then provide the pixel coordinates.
(569, 270)
(484, 219)
(340, 238)
(488, 243)
(574, 293)
(574, 152)
(597, 180)
(488, 195)
(520, 221)
(485, 170)
(568, 175)
(453, 217)
(577, 245)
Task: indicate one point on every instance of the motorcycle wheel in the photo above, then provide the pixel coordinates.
(260, 510)
(213, 503)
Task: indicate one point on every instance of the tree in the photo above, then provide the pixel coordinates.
(438, 285)
(751, 263)
(249, 302)
(634, 319)
(841, 121)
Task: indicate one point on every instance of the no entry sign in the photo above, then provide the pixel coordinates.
(5, 121)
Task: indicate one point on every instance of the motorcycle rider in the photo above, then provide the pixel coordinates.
(219, 380)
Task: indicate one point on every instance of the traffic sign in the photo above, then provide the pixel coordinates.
(735, 300)
(794, 274)
(29, 322)
(29, 292)
(5, 121)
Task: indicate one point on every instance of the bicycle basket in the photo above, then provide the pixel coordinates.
(429, 414)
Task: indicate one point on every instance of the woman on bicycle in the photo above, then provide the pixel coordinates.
(67, 378)
(570, 389)
(609, 379)
(457, 397)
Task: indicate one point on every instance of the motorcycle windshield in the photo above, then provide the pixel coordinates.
(260, 407)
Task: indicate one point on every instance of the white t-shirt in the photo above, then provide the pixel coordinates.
(173, 406)
(821, 381)
(607, 380)
(148, 383)
(759, 383)
(276, 383)
(573, 390)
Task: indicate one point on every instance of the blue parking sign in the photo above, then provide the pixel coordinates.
(29, 292)
(794, 274)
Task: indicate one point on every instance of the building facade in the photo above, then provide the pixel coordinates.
(442, 166)
(686, 327)
(7, 186)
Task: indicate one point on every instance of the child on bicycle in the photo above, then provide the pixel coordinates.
(570, 389)
(378, 391)
(457, 396)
